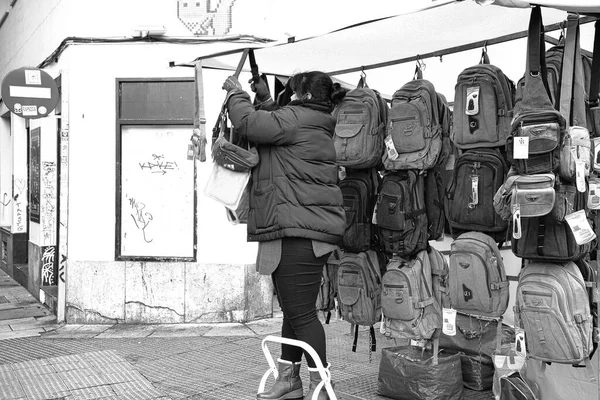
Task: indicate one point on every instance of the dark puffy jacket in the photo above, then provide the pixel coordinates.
(294, 191)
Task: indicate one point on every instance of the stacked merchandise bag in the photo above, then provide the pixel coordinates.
(358, 140)
(478, 285)
(409, 213)
(546, 201)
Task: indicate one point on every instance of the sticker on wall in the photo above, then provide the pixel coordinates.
(206, 17)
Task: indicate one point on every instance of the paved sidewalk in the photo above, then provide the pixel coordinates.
(42, 360)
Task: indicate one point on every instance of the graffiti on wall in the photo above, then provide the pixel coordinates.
(48, 263)
(48, 203)
(206, 17)
(158, 165)
(34, 175)
(141, 218)
(19, 205)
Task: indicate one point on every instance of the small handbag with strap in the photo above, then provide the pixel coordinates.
(229, 179)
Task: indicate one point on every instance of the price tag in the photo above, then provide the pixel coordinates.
(580, 226)
(449, 324)
(516, 210)
(521, 147)
(593, 202)
(391, 149)
(580, 175)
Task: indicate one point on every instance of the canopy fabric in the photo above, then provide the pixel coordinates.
(579, 6)
(400, 37)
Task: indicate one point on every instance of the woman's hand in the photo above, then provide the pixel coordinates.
(231, 83)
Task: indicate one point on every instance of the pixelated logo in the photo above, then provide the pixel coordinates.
(467, 293)
(206, 17)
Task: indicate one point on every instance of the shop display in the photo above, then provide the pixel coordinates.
(531, 180)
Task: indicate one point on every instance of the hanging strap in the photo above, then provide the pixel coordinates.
(199, 132)
(535, 91)
(572, 101)
(594, 88)
(595, 75)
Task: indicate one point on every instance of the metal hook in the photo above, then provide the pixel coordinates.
(362, 72)
(485, 46)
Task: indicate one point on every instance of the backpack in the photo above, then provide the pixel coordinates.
(359, 291)
(439, 276)
(361, 119)
(483, 104)
(414, 134)
(514, 387)
(549, 237)
(544, 131)
(434, 203)
(400, 216)
(553, 308)
(469, 201)
(537, 129)
(328, 290)
(409, 307)
(359, 193)
(478, 282)
(445, 113)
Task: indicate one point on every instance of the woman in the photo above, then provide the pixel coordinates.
(296, 211)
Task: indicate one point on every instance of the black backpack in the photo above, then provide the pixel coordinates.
(434, 203)
(477, 175)
(400, 213)
(359, 191)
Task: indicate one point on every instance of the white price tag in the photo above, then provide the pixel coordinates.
(580, 175)
(521, 147)
(391, 149)
(580, 226)
(593, 202)
(449, 323)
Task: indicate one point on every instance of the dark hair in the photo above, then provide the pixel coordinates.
(319, 85)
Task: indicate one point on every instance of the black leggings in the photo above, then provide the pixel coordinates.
(297, 280)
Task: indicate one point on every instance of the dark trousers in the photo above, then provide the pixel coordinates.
(297, 280)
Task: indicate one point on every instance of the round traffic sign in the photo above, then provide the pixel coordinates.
(29, 92)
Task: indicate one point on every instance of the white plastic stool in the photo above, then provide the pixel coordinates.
(325, 375)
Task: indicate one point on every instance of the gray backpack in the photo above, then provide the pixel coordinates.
(478, 282)
(408, 303)
(553, 307)
(359, 131)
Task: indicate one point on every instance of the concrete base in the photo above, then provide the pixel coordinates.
(156, 292)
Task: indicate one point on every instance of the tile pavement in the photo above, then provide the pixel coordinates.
(42, 360)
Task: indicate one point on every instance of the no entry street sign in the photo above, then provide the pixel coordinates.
(29, 92)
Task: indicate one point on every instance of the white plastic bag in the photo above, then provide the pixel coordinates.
(226, 186)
